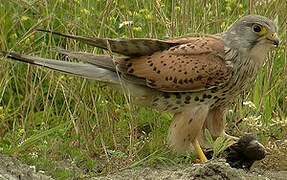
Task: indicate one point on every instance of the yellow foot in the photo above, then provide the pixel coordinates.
(231, 139)
(199, 152)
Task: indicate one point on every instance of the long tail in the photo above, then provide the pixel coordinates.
(103, 61)
(88, 70)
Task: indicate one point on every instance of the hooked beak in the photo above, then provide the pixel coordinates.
(274, 39)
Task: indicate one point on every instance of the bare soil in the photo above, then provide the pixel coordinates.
(11, 168)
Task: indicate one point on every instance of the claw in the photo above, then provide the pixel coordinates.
(231, 140)
(199, 151)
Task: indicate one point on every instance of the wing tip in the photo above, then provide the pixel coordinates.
(55, 33)
(16, 56)
(44, 30)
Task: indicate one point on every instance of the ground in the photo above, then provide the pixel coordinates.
(11, 168)
(70, 128)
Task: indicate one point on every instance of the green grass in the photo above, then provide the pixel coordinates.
(47, 117)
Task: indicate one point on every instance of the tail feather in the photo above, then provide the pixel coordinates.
(127, 47)
(89, 71)
(103, 61)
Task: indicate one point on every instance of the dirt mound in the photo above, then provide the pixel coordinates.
(211, 170)
(11, 168)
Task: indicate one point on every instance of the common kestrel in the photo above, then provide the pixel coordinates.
(196, 78)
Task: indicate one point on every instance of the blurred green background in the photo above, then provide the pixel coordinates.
(48, 117)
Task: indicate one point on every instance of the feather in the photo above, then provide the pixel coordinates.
(89, 71)
(129, 47)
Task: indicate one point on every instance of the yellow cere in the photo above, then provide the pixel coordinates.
(274, 35)
(263, 31)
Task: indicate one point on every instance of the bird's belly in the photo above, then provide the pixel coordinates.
(219, 96)
(176, 102)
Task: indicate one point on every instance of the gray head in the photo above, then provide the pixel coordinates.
(252, 33)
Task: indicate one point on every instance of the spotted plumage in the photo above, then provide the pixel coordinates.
(195, 77)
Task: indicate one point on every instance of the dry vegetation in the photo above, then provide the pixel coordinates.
(47, 117)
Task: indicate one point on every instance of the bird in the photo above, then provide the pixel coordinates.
(196, 78)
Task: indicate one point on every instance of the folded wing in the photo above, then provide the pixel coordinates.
(187, 64)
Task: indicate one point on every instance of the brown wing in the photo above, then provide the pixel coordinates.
(129, 47)
(195, 64)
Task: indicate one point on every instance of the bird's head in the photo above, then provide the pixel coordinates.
(252, 34)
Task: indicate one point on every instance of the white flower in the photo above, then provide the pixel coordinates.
(126, 23)
(33, 168)
(34, 155)
(249, 104)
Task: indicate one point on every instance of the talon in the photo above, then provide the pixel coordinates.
(231, 139)
(199, 152)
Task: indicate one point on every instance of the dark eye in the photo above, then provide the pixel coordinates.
(257, 28)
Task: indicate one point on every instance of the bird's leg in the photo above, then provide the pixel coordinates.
(215, 123)
(199, 151)
(185, 129)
